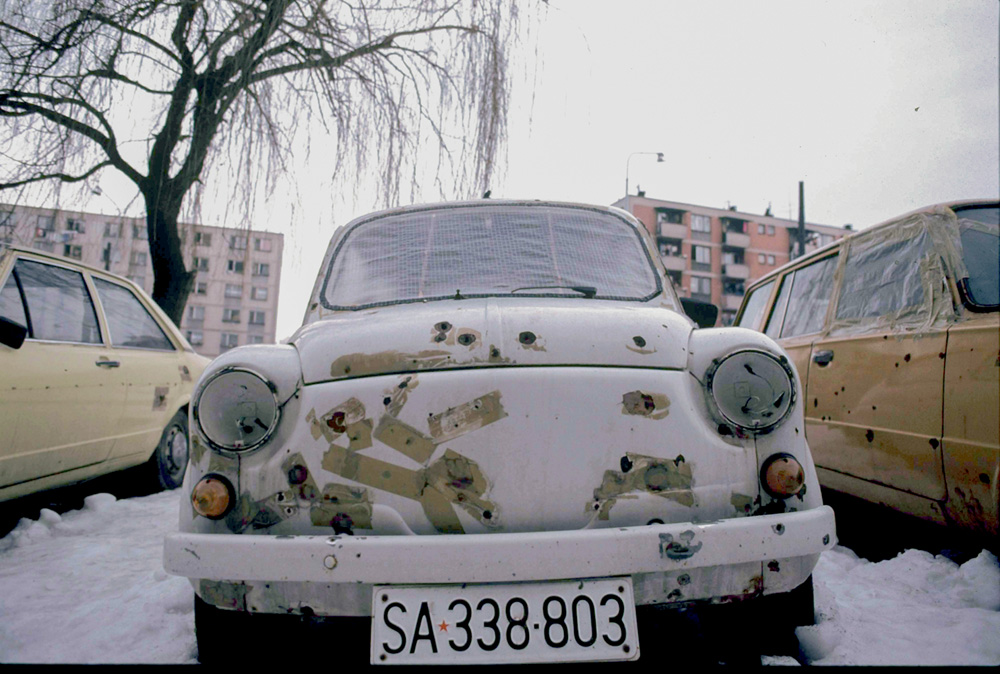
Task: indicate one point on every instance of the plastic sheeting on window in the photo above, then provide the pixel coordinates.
(894, 276)
(487, 251)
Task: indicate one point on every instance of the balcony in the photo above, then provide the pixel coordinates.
(731, 302)
(736, 239)
(739, 271)
(674, 262)
(672, 230)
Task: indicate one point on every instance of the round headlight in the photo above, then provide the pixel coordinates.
(752, 389)
(782, 476)
(236, 410)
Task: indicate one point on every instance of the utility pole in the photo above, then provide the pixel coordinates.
(802, 219)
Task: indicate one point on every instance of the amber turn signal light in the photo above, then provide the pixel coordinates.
(782, 476)
(212, 497)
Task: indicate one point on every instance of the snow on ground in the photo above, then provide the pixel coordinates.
(88, 586)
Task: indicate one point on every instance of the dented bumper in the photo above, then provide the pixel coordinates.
(333, 575)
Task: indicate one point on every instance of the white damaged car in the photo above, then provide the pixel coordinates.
(496, 438)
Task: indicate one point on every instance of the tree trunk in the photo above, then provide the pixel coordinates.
(172, 282)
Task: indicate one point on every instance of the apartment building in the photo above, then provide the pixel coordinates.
(235, 296)
(713, 254)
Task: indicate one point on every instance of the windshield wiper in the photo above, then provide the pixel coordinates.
(586, 291)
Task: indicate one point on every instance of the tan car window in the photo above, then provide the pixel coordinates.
(981, 254)
(128, 321)
(754, 307)
(810, 298)
(11, 306)
(59, 306)
(882, 277)
(778, 313)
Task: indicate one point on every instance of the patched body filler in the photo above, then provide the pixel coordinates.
(486, 401)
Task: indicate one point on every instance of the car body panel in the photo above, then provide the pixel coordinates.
(902, 396)
(73, 411)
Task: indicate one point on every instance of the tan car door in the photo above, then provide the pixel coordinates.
(150, 363)
(62, 391)
(875, 383)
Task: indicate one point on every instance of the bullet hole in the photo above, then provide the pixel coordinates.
(347, 369)
(941, 355)
(494, 352)
(403, 384)
(342, 524)
(985, 479)
(466, 338)
(773, 566)
(725, 430)
(897, 364)
(874, 408)
(826, 539)
(870, 435)
(779, 529)
(626, 464)
(280, 497)
(842, 389)
(443, 326)
(639, 341)
(655, 520)
(885, 336)
(336, 422)
(597, 506)
(679, 460)
(386, 400)
(674, 594)
(683, 579)
(836, 393)
(907, 358)
(440, 337)
(526, 338)
(815, 402)
(487, 514)
(934, 443)
(297, 475)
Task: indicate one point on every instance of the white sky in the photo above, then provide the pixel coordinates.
(879, 106)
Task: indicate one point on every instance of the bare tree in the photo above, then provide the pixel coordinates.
(176, 94)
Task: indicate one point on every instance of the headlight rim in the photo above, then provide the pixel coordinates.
(781, 360)
(196, 407)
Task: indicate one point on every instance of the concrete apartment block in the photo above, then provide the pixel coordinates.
(713, 254)
(235, 297)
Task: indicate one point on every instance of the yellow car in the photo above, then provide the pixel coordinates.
(93, 377)
(895, 332)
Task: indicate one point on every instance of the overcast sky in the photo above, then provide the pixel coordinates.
(880, 107)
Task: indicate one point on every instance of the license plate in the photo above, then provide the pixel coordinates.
(566, 621)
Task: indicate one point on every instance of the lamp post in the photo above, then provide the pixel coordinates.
(659, 159)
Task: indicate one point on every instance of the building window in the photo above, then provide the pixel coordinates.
(237, 242)
(202, 239)
(235, 266)
(113, 229)
(75, 252)
(74, 225)
(229, 340)
(700, 223)
(733, 288)
(761, 258)
(760, 229)
(201, 263)
(138, 259)
(140, 232)
(257, 318)
(770, 260)
(47, 223)
(669, 249)
(6, 218)
(701, 286)
(770, 230)
(263, 245)
(702, 254)
(261, 269)
(255, 339)
(230, 315)
(234, 290)
(196, 313)
(195, 337)
(200, 288)
(258, 293)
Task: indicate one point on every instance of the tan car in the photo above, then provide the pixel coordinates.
(895, 332)
(93, 377)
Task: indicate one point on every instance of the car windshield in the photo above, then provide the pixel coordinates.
(489, 251)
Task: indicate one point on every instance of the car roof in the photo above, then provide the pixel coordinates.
(820, 252)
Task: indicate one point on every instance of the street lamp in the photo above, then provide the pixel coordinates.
(659, 159)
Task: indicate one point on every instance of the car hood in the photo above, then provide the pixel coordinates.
(492, 332)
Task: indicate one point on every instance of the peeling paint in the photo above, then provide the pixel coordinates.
(467, 417)
(669, 478)
(223, 594)
(185, 372)
(649, 405)
(342, 507)
(160, 397)
(396, 396)
(742, 503)
(360, 364)
(682, 548)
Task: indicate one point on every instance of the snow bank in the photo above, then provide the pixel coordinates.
(916, 609)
